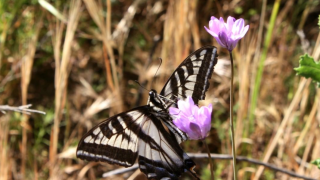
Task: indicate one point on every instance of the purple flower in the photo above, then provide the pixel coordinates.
(227, 34)
(194, 121)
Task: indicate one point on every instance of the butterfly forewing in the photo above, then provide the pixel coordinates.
(191, 77)
(114, 140)
(136, 133)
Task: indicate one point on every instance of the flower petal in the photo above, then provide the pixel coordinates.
(184, 106)
(211, 32)
(244, 30)
(230, 22)
(181, 124)
(205, 112)
(213, 18)
(224, 39)
(238, 26)
(195, 132)
(174, 111)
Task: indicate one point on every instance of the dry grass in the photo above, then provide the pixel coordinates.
(80, 68)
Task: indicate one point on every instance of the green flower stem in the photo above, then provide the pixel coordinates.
(255, 93)
(210, 159)
(231, 120)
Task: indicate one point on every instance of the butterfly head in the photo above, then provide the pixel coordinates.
(152, 93)
(155, 101)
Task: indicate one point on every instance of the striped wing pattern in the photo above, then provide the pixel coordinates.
(160, 156)
(191, 77)
(115, 140)
(136, 134)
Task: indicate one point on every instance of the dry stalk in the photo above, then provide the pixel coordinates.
(22, 109)
(194, 25)
(310, 121)
(293, 105)
(105, 37)
(243, 64)
(4, 153)
(62, 75)
(26, 69)
(120, 34)
(95, 12)
(307, 150)
(108, 68)
(314, 171)
(180, 18)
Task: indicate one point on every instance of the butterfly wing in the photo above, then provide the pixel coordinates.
(160, 156)
(115, 140)
(137, 133)
(192, 75)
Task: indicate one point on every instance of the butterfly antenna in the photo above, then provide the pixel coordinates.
(156, 72)
(141, 85)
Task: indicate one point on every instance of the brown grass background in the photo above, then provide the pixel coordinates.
(79, 65)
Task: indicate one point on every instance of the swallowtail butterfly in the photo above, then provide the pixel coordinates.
(147, 133)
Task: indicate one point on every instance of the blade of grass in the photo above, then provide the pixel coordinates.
(259, 74)
(256, 60)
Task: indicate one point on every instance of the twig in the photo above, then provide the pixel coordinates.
(22, 109)
(253, 161)
(222, 157)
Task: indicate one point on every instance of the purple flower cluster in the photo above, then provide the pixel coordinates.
(227, 34)
(194, 121)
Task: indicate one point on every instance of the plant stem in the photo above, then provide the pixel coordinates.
(210, 159)
(231, 120)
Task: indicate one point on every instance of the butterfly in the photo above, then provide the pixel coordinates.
(147, 133)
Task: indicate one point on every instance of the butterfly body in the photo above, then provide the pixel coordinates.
(147, 133)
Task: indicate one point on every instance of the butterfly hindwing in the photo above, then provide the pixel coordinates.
(192, 75)
(160, 155)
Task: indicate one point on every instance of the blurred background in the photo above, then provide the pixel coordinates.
(78, 62)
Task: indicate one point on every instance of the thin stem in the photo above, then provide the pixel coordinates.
(210, 159)
(231, 121)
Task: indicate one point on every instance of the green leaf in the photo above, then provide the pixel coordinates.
(319, 22)
(308, 68)
(316, 162)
